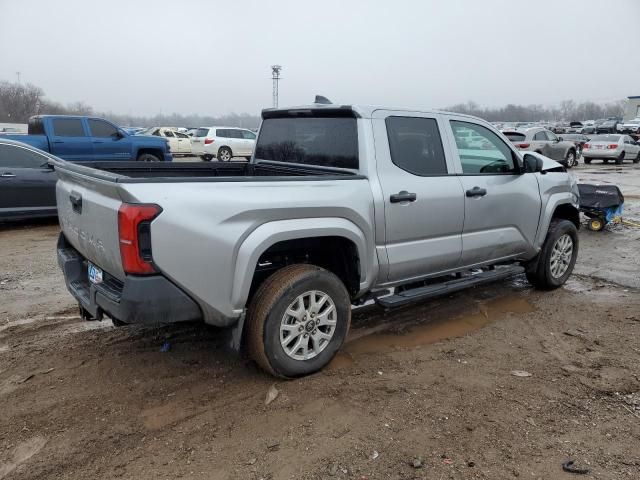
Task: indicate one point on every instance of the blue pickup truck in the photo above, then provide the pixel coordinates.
(82, 139)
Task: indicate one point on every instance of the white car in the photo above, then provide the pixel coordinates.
(179, 142)
(632, 126)
(223, 143)
(611, 147)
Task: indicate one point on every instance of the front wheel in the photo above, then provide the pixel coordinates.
(620, 159)
(555, 262)
(224, 154)
(570, 159)
(297, 320)
(148, 157)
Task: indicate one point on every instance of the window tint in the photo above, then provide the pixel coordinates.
(540, 136)
(168, 133)
(325, 141)
(551, 136)
(486, 155)
(416, 146)
(180, 135)
(19, 157)
(201, 132)
(68, 127)
(247, 135)
(222, 133)
(100, 128)
(515, 136)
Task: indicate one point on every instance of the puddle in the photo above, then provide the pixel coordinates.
(601, 288)
(341, 360)
(440, 329)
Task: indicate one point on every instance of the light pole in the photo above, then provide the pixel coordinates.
(275, 76)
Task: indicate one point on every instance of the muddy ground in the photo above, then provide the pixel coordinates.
(428, 392)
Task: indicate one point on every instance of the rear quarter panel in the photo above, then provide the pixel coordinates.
(210, 234)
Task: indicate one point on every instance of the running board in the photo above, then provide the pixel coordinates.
(429, 291)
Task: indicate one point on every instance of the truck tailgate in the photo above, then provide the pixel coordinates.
(88, 213)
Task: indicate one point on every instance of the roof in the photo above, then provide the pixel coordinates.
(362, 111)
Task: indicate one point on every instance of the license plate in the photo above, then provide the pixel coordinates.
(599, 147)
(95, 274)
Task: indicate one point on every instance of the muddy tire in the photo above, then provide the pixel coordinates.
(148, 157)
(620, 159)
(297, 321)
(555, 262)
(570, 159)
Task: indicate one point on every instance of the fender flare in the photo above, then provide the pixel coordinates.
(268, 234)
(557, 199)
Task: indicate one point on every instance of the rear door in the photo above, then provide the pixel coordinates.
(70, 139)
(184, 144)
(423, 198)
(554, 147)
(540, 143)
(27, 184)
(631, 148)
(501, 204)
(108, 142)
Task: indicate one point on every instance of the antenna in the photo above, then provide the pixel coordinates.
(275, 76)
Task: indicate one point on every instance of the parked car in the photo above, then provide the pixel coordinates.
(179, 142)
(9, 130)
(632, 126)
(339, 206)
(574, 127)
(223, 143)
(578, 140)
(546, 143)
(611, 147)
(27, 182)
(85, 139)
(608, 126)
(588, 130)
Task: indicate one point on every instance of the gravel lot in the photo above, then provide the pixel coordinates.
(427, 392)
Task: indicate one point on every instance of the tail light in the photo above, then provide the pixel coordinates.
(134, 227)
(612, 146)
(522, 145)
(586, 145)
(208, 141)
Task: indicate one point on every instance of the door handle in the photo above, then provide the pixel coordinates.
(403, 196)
(7, 175)
(76, 201)
(477, 192)
(97, 141)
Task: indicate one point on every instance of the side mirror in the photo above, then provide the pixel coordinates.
(119, 134)
(532, 164)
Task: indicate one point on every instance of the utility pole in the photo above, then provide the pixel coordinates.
(18, 76)
(275, 76)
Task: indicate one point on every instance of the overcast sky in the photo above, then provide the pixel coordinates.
(213, 57)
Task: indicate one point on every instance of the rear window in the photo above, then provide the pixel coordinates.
(201, 132)
(605, 138)
(515, 136)
(331, 142)
(68, 127)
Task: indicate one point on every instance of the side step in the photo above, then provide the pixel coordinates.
(437, 289)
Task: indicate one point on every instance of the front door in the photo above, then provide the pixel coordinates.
(27, 184)
(423, 201)
(108, 142)
(501, 204)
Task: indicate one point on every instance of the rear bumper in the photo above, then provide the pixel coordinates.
(597, 153)
(139, 299)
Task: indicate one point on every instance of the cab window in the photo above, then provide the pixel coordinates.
(485, 154)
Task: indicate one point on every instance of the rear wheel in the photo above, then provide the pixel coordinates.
(637, 159)
(555, 262)
(297, 320)
(620, 159)
(207, 157)
(587, 161)
(224, 154)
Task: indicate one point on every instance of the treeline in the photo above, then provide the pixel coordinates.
(19, 102)
(567, 110)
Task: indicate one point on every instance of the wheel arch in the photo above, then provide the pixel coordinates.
(351, 259)
(560, 207)
(152, 151)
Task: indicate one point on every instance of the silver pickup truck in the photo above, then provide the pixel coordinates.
(340, 205)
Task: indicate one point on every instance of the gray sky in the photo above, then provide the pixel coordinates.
(213, 57)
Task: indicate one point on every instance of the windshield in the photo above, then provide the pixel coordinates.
(331, 142)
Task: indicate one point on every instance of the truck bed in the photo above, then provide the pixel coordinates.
(166, 172)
